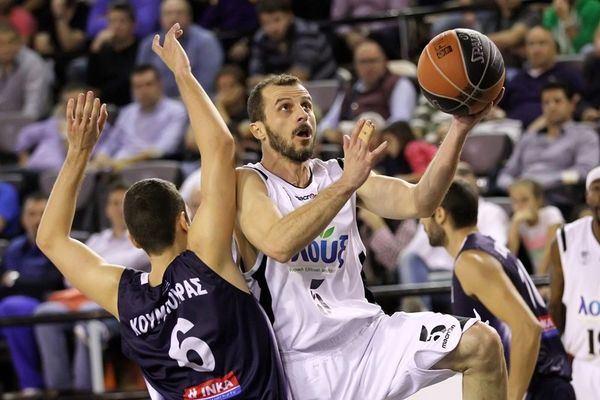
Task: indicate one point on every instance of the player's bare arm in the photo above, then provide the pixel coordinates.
(395, 198)
(281, 237)
(482, 276)
(557, 286)
(86, 271)
(212, 228)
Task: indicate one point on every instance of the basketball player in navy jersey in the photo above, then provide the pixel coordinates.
(298, 237)
(491, 281)
(191, 323)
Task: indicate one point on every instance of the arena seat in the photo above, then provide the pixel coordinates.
(323, 92)
(485, 153)
(168, 170)
(10, 126)
(84, 210)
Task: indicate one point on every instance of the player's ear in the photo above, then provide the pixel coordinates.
(258, 130)
(440, 215)
(183, 221)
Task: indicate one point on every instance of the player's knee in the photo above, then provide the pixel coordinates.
(484, 347)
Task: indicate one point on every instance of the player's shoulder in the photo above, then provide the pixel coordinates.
(471, 260)
(251, 174)
(578, 226)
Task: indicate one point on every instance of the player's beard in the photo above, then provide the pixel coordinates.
(287, 149)
(436, 235)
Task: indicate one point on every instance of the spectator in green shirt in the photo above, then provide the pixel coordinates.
(572, 23)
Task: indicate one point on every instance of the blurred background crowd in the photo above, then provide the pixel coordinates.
(528, 159)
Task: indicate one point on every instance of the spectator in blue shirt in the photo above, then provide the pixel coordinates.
(26, 275)
(201, 45)
(151, 127)
(9, 210)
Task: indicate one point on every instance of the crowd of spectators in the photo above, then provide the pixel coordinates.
(50, 50)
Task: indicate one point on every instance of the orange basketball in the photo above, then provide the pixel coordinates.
(460, 71)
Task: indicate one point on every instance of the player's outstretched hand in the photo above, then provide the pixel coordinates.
(171, 52)
(85, 121)
(466, 122)
(358, 159)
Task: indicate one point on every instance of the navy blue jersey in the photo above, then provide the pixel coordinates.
(552, 359)
(196, 336)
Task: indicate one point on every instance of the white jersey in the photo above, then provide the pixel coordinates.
(317, 299)
(580, 258)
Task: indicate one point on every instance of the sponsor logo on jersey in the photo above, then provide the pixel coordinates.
(589, 308)
(307, 197)
(436, 333)
(226, 387)
(324, 250)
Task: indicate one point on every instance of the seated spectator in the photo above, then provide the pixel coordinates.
(559, 152)
(286, 44)
(591, 78)
(231, 19)
(112, 55)
(532, 224)
(146, 12)
(405, 156)
(572, 23)
(376, 89)
(384, 33)
(521, 99)
(230, 98)
(25, 79)
(9, 210)
(42, 145)
(419, 259)
(18, 17)
(114, 245)
(201, 45)
(61, 34)
(26, 276)
(151, 127)
(508, 30)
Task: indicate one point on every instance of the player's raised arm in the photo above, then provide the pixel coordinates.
(211, 231)
(396, 199)
(85, 270)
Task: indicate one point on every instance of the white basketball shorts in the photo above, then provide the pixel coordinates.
(388, 359)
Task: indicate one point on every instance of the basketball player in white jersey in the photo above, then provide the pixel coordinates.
(575, 292)
(303, 256)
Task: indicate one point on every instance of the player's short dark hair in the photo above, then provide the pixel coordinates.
(533, 186)
(557, 85)
(461, 204)
(151, 208)
(272, 6)
(256, 110)
(143, 68)
(122, 6)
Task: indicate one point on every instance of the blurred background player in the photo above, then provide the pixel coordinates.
(491, 282)
(575, 292)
